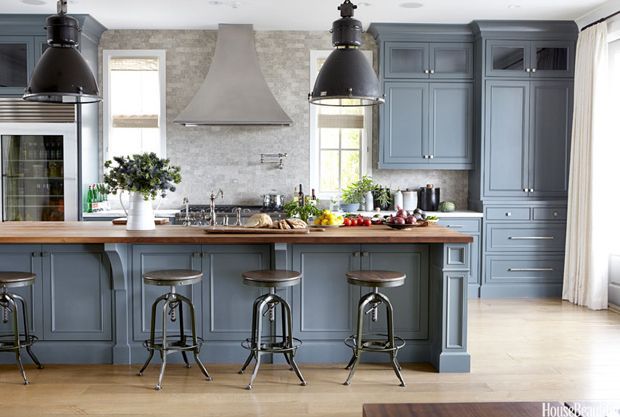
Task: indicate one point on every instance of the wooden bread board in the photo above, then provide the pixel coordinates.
(253, 230)
(158, 221)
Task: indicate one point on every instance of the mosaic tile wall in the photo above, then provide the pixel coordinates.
(229, 157)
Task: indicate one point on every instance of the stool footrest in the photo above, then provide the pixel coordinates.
(7, 342)
(375, 343)
(267, 344)
(174, 343)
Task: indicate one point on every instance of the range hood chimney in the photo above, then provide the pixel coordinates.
(235, 91)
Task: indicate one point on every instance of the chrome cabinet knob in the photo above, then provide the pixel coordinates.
(508, 214)
(533, 69)
(528, 70)
(427, 71)
(432, 71)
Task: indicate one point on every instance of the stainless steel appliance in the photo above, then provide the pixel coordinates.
(428, 198)
(39, 162)
(199, 214)
(273, 202)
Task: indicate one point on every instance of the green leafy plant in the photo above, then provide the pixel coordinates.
(145, 173)
(356, 192)
(382, 196)
(293, 208)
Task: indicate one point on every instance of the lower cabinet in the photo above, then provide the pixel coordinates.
(325, 305)
(524, 250)
(70, 303)
(223, 304)
(473, 227)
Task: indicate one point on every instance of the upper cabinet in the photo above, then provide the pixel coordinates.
(17, 58)
(427, 77)
(22, 42)
(428, 60)
(529, 59)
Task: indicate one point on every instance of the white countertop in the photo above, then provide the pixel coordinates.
(121, 213)
(440, 214)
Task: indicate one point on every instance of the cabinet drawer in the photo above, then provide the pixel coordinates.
(528, 237)
(461, 225)
(508, 213)
(524, 269)
(550, 213)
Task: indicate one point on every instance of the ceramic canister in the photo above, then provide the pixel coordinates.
(410, 200)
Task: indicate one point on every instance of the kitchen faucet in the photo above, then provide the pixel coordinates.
(186, 221)
(214, 196)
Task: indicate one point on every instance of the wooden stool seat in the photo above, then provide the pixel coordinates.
(376, 278)
(13, 279)
(278, 278)
(172, 277)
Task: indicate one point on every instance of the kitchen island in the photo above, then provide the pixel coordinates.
(89, 305)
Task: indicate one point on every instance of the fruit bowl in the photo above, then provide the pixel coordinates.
(407, 226)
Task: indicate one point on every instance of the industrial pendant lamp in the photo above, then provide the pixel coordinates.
(62, 75)
(346, 78)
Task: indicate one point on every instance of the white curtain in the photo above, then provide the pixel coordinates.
(588, 237)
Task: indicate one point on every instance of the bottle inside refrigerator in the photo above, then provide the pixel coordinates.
(33, 178)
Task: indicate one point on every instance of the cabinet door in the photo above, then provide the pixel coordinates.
(16, 63)
(324, 303)
(25, 258)
(410, 301)
(406, 60)
(553, 59)
(550, 132)
(227, 301)
(147, 258)
(508, 58)
(451, 123)
(77, 293)
(405, 127)
(451, 60)
(506, 138)
(40, 45)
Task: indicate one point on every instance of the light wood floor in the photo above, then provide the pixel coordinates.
(521, 350)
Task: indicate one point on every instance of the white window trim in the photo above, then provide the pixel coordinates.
(366, 160)
(108, 54)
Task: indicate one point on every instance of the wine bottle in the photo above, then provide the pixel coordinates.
(89, 199)
(302, 197)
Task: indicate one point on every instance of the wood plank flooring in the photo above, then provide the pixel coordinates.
(522, 350)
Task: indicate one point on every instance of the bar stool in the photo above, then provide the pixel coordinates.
(285, 343)
(16, 341)
(382, 343)
(172, 301)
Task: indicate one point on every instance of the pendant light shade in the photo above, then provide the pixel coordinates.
(346, 78)
(62, 74)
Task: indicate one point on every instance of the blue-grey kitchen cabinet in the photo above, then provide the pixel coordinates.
(17, 58)
(530, 59)
(527, 138)
(425, 60)
(427, 125)
(77, 293)
(325, 305)
(473, 227)
(222, 303)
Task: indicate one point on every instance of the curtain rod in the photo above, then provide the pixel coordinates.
(600, 21)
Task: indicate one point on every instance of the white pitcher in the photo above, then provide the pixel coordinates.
(140, 215)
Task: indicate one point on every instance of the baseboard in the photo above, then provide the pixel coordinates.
(615, 308)
(521, 291)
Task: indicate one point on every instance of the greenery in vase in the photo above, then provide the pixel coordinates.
(356, 192)
(292, 209)
(145, 173)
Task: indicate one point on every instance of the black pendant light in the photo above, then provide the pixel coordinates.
(62, 75)
(346, 78)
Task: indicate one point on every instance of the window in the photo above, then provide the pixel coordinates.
(134, 115)
(339, 140)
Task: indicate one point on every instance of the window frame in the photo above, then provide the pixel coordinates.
(108, 54)
(366, 145)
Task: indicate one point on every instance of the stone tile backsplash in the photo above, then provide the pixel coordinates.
(229, 157)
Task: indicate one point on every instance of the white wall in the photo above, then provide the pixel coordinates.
(607, 8)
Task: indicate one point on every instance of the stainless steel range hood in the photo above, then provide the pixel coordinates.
(234, 91)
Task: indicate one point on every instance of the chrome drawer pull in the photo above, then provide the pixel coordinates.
(531, 237)
(454, 226)
(531, 269)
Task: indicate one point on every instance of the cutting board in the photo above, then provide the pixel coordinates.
(252, 230)
(158, 221)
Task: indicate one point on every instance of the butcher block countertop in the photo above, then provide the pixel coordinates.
(96, 232)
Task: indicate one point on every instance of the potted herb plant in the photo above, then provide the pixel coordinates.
(354, 194)
(382, 197)
(305, 211)
(144, 176)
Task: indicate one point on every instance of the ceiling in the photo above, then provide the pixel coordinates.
(297, 14)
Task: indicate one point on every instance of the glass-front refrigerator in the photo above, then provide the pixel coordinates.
(38, 177)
